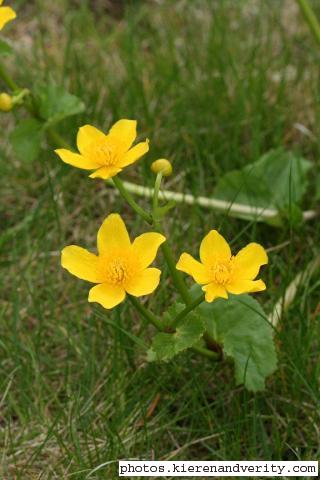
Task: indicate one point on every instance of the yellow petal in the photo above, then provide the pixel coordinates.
(240, 286)
(214, 291)
(144, 283)
(76, 160)
(249, 260)
(107, 295)
(113, 235)
(105, 172)
(192, 267)
(134, 154)
(82, 264)
(88, 136)
(145, 247)
(6, 15)
(214, 247)
(125, 131)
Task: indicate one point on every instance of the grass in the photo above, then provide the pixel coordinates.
(213, 84)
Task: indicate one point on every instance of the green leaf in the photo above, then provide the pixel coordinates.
(163, 210)
(54, 103)
(240, 325)
(277, 180)
(26, 139)
(166, 345)
(5, 48)
(172, 312)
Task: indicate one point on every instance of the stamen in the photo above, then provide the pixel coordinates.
(221, 272)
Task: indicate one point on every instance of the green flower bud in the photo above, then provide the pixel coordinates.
(6, 103)
(162, 166)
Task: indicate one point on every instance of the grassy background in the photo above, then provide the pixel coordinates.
(213, 84)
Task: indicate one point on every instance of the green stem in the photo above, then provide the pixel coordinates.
(7, 79)
(175, 274)
(176, 277)
(126, 195)
(207, 353)
(149, 316)
(187, 310)
(310, 18)
(166, 250)
(156, 191)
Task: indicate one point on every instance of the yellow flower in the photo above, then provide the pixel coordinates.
(106, 154)
(220, 272)
(119, 267)
(6, 15)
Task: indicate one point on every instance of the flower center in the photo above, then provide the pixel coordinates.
(117, 272)
(105, 153)
(221, 272)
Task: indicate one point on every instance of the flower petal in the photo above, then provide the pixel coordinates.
(145, 247)
(214, 247)
(249, 260)
(240, 286)
(105, 172)
(88, 135)
(144, 283)
(81, 263)
(214, 291)
(113, 235)
(192, 267)
(125, 131)
(76, 160)
(6, 15)
(107, 295)
(134, 154)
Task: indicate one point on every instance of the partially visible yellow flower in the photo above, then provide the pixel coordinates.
(106, 154)
(220, 272)
(6, 15)
(162, 165)
(120, 267)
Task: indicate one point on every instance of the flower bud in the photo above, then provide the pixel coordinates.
(162, 166)
(6, 103)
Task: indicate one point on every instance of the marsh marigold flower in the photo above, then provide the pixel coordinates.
(220, 272)
(107, 154)
(120, 267)
(6, 15)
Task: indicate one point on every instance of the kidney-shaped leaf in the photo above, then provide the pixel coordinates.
(240, 325)
(54, 103)
(167, 345)
(277, 180)
(26, 139)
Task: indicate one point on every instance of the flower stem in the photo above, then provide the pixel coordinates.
(7, 79)
(166, 250)
(156, 191)
(175, 274)
(207, 353)
(126, 195)
(149, 316)
(191, 306)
